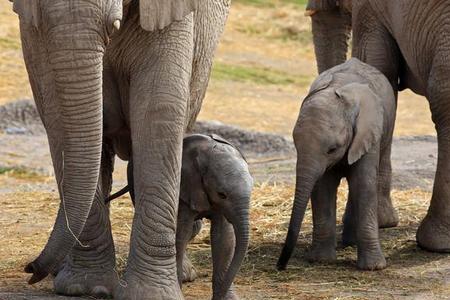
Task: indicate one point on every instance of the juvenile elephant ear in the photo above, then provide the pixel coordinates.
(192, 190)
(369, 119)
(28, 11)
(157, 14)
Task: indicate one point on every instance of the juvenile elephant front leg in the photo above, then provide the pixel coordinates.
(159, 91)
(323, 201)
(185, 226)
(363, 189)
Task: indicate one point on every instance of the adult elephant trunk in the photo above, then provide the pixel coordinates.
(239, 218)
(331, 32)
(305, 181)
(75, 55)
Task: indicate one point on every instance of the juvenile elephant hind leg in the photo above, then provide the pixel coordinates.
(434, 231)
(90, 268)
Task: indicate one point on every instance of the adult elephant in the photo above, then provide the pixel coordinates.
(148, 80)
(409, 42)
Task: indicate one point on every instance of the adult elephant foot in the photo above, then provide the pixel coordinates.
(434, 234)
(387, 214)
(134, 288)
(189, 271)
(94, 282)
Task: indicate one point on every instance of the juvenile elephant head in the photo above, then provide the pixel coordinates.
(337, 124)
(331, 27)
(66, 41)
(215, 178)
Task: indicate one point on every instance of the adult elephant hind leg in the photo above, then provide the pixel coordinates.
(374, 45)
(434, 231)
(90, 268)
(159, 92)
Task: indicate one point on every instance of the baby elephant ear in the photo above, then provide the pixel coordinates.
(28, 10)
(157, 14)
(368, 110)
(192, 189)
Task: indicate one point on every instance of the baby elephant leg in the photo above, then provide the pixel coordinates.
(323, 201)
(189, 272)
(363, 189)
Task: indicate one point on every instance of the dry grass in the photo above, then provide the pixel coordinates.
(27, 218)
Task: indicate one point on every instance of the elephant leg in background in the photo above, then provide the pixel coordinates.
(374, 45)
(434, 231)
(362, 188)
(159, 92)
(222, 248)
(90, 268)
(350, 221)
(323, 202)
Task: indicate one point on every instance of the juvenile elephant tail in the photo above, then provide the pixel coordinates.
(118, 194)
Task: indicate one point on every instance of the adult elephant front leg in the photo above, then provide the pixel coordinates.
(159, 91)
(90, 268)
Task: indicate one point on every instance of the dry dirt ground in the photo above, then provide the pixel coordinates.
(264, 66)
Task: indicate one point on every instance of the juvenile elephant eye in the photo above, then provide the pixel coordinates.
(222, 195)
(331, 150)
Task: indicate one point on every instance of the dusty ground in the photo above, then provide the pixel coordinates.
(264, 66)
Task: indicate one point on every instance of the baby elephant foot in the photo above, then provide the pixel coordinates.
(434, 234)
(189, 272)
(371, 261)
(387, 215)
(96, 282)
(322, 253)
(134, 288)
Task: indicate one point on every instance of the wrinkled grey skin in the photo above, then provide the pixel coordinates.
(343, 130)
(408, 41)
(215, 184)
(101, 91)
(331, 26)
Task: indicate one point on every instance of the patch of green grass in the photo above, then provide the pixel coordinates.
(272, 3)
(19, 173)
(9, 43)
(256, 74)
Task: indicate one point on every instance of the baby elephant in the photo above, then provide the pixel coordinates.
(215, 184)
(343, 130)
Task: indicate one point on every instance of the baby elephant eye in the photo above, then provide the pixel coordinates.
(222, 195)
(332, 150)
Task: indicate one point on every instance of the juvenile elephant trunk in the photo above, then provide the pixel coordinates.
(77, 67)
(240, 221)
(305, 182)
(331, 32)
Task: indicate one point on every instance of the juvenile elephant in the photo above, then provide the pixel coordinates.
(215, 184)
(343, 130)
(117, 77)
(408, 41)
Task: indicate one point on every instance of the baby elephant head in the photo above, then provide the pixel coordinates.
(337, 124)
(215, 179)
